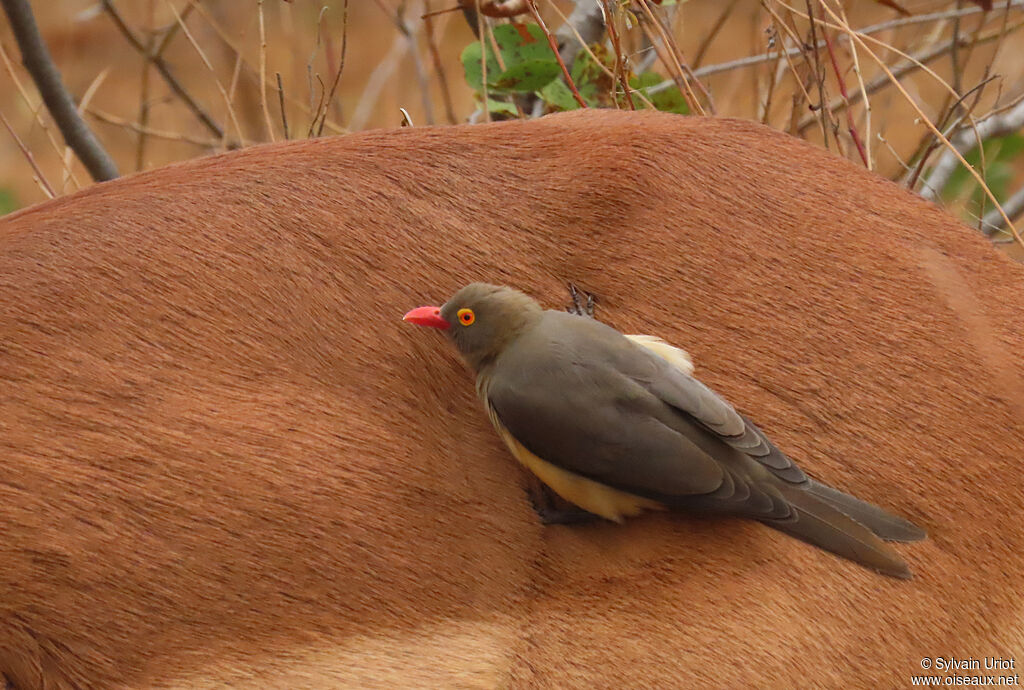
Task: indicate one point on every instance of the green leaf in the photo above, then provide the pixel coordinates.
(8, 202)
(669, 100)
(527, 76)
(501, 108)
(1000, 153)
(588, 77)
(522, 47)
(558, 95)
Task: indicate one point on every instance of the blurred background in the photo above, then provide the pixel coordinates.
(165, 80)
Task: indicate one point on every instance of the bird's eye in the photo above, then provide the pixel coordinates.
(466, 317)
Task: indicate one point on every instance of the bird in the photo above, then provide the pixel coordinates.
(617, 425)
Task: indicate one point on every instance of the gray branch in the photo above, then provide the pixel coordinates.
(966, 140)
(993, 222)
(588, 20)
(165, 71)
(37, 60)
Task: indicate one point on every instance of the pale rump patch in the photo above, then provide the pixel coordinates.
(677, 357)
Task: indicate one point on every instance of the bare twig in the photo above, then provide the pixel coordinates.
(165, 71)
(481, 26)
(319, 104)
(915, 62)
(862, 40)
(209, 66)
(687, 76)
(966, 141)
(86, 100)
(851, 127)
(713, 33)
(558, 56)
(567, 23)
(584, 26)
(398, 19)
(435, 56)
(39, 177)
(671, 63)
(233, 45)
(773, 79)
(620, 59)
(38, 117)
(993, 222)
(797, 40)
(930, 143)
(149, 131)
(37, 60)
(860, 83)
(337, 74)
(280, 101)
(819, 75)
(143, 118)
(872, 29)
(263, 74)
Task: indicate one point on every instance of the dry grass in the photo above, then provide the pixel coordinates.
(220, 51)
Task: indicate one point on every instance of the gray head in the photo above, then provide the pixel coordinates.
(480, 319)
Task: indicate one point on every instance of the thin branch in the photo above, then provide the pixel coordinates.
(994, 223)
(165, 71)
(319, 104)
(209, 66)
(672, 66)
(35, 112)
(230, 43)
(39, 177)
(280, 99)
(819, 75)
(713, 33)
(149, 131)
(584, 26)
(86, 100)
(855, 36)
(583, 45)
(687, 76)
(143, 118)
(872, 29)
(860, 84)
(930, 143)
(37, 60)
(435, 56)
(851, 127)
(481, 28)
(263, 74)
(966, 141)
(554, 49)
(417, 61)
(620, 60)
(914, 62)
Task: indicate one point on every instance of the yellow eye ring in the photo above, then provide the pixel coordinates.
(466, 317)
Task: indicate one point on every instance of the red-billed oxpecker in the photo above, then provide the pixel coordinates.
(616, 424)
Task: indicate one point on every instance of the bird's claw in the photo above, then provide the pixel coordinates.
(553, 510)
(578, 306)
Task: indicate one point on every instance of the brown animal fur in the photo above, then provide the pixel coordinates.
(224, 459)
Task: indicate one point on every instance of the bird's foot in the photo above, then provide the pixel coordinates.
(580, 306)
(552, 509)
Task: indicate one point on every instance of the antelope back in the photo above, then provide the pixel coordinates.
(224, 459)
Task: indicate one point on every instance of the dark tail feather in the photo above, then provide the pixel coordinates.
(885, 525)
(817, 522)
